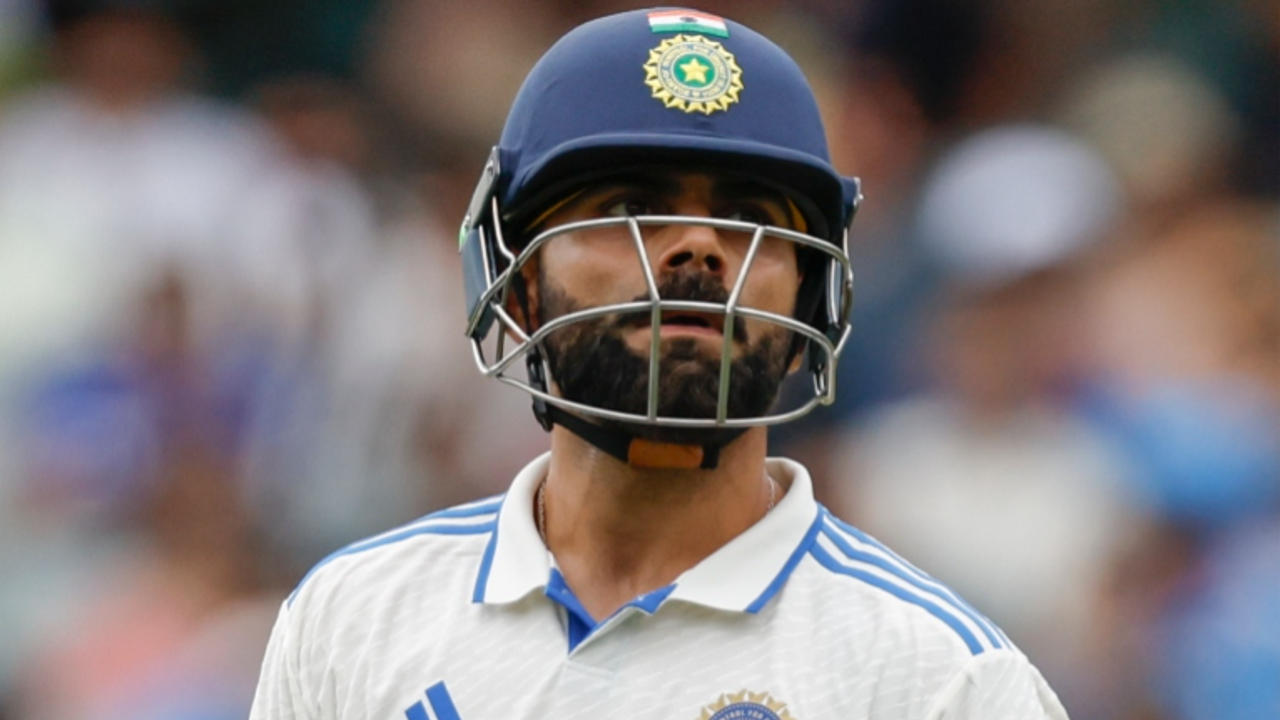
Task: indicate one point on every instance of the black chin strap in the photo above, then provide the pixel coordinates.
(617, 442)
(638, 451)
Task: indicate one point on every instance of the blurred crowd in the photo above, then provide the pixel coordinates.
(231, 323)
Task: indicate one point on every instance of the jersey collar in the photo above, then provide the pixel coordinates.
(741, 576)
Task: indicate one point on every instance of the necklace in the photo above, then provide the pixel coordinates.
(540, 504)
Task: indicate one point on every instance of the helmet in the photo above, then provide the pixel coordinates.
(619, 92)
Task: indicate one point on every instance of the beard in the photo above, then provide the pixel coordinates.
(592, 364)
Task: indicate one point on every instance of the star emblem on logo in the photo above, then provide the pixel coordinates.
(694, 71)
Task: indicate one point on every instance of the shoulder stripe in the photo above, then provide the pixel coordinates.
(474, 509)
(829, 562)
(912, 574)
(483, 516)
(471, 509)
(923, 584)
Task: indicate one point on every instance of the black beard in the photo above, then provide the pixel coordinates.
(592, 365)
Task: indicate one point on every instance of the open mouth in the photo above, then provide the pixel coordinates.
(709, 321)
(682, 320)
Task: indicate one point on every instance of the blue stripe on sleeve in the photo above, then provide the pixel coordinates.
(411, 531)
(441, 703)
(416, 712)
(912, 569)
(931, 588)
(479, 507)
(951, 621)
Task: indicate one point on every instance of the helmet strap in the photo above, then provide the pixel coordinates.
(538, 380)
(636, 451)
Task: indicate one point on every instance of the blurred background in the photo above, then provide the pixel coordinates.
(231, 323)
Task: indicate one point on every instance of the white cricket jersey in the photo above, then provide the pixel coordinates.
(463, 615)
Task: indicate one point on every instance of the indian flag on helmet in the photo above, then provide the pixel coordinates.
(687, 21)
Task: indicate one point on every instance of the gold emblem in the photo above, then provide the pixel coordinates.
(693, 74)
(746, 705)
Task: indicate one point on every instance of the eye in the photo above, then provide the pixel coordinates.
(629, 206)
(758, 214)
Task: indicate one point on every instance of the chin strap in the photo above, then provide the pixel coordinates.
(637, 451)
(617, 442)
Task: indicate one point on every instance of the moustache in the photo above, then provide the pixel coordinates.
(697, 287)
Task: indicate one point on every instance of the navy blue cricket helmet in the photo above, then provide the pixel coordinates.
(670, 88)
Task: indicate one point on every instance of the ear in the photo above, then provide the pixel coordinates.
(526, 296)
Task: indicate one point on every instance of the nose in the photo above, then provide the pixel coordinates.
(694, 248)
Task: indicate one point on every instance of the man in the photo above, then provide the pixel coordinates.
(660, 237)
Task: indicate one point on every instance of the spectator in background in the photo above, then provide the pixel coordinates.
(1170, 135)
(95, 431)
(425, 70)
(1187, 338)
(1215, 648)
(992, 452)
(909, 65)
(115, 183)
(114, 173)
(1184, 308)
(398, 409)
(176, 630)
(134, 578)
(1184, 333)
(113, 170)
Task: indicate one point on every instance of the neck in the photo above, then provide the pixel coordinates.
(618, 531)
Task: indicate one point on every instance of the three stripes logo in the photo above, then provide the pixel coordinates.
(438, 700)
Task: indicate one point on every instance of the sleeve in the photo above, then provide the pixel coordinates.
(280, 694)
(999, 685)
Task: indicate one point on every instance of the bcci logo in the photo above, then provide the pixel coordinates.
(746, 705)
(693, 74)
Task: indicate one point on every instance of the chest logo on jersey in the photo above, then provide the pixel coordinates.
(442, 707)
(746, 705)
